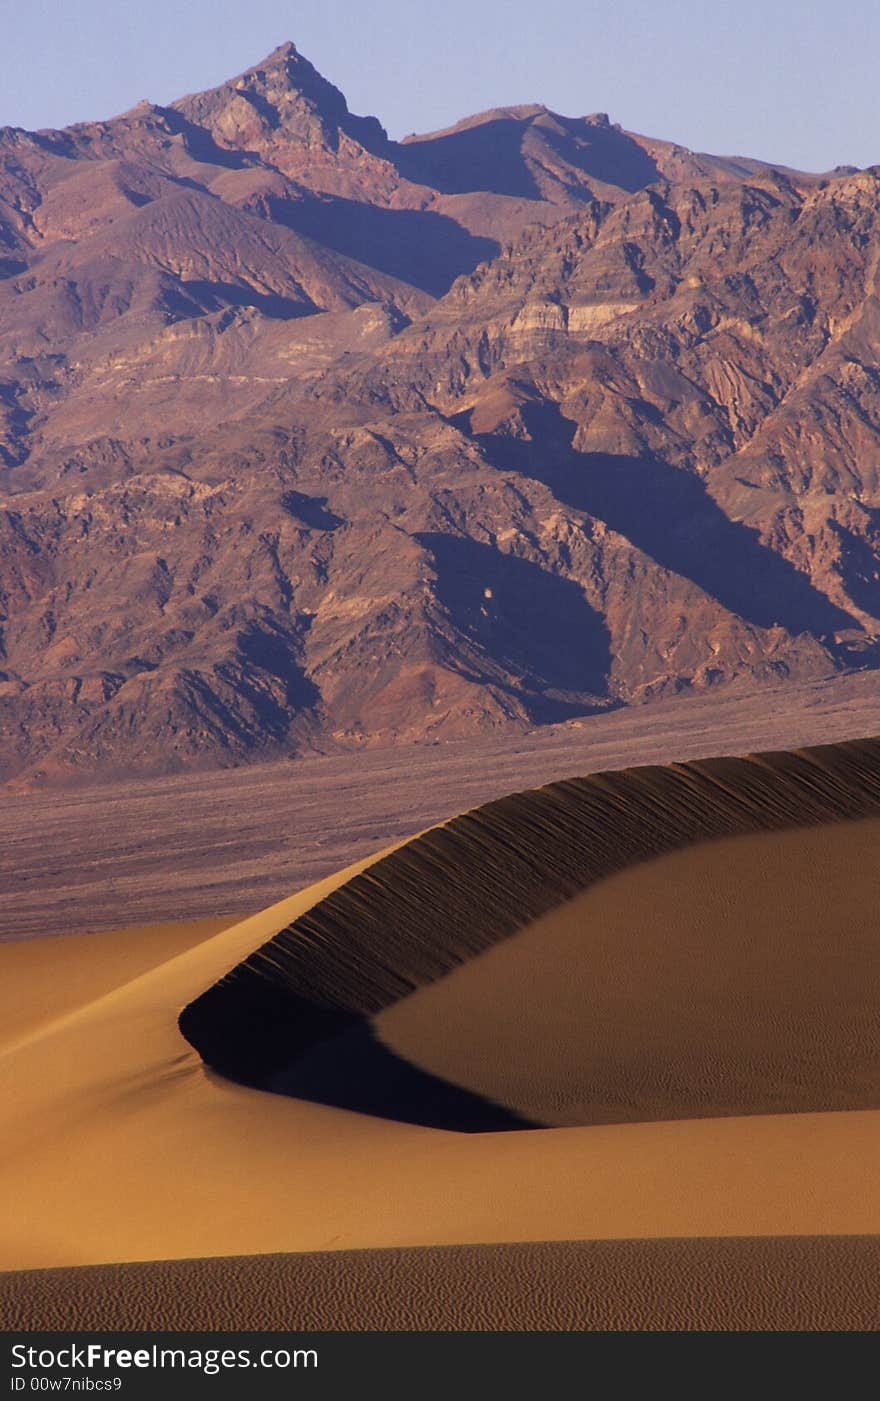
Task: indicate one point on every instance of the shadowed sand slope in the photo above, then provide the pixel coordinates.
(792, 1282)
(691, 940)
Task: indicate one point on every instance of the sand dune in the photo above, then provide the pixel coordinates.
(791, 1282)
(44, 978)
(609, 909)
(695, 984)
(665, 942)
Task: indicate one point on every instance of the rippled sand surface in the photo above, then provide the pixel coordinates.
(794, 1282)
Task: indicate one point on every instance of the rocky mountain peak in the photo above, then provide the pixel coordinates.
(282, 97)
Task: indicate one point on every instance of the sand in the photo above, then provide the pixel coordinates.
(791, 1283)
(44, 978)
(119, 1145)
(695, 984)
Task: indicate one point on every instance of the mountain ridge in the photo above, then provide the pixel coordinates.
(313, 439)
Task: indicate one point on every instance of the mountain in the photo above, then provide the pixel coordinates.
(313, 439)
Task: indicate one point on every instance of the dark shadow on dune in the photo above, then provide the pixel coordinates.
(270, 1039)
(425, 249)
(525, 620)
(295, 1015)
(668, 514)
(354, 1070)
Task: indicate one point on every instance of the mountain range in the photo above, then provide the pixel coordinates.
(311, 439)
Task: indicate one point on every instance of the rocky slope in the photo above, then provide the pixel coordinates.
(313, 439)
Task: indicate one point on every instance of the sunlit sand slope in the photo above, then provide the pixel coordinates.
(44, 978)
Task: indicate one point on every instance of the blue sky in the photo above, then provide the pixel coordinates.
(792, 82)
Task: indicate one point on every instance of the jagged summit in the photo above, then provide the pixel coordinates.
(283, 51)
(283, 94)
